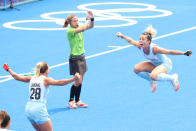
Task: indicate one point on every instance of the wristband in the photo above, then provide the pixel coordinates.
(92, 19)
(188, 53)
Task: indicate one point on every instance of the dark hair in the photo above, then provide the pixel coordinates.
(68, 20)
(148, 36)
(44, 68)
(4, 118)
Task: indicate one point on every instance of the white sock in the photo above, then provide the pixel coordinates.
(165, 77)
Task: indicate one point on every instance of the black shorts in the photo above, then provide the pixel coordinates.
(77, 64)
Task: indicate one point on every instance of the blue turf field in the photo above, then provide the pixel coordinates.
(118, 99)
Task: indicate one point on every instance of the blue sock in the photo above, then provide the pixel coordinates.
(165, 77)
(145, 75)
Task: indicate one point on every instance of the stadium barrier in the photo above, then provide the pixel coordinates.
(4, 4)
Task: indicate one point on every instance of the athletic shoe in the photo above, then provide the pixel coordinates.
(175, 82)
(72, 104)
(153, 85)
(81, 104)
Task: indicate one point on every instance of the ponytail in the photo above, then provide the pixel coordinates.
(37, 69)
(68, 20)
(41, 68)
(65, 23)
(150, 32)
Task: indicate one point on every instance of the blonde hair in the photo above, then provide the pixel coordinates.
(68, 20)
(4, 118)
(150, 32)
(41, 68)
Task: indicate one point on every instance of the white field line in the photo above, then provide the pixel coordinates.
(174, 33)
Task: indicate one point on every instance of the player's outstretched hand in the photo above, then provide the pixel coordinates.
(188, 53)
(118, 34)
(6, 67)
(77, 76)
(89, 15)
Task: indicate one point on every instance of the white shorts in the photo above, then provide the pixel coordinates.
(36, 112)
(167, 64)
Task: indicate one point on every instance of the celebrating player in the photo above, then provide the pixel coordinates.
(159, 65)
(36, 110)
(77, 62)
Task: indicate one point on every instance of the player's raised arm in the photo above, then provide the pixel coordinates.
(90, 17)
(160, 50)
(51, 81)
(128, 39)
(15, 75)
(88, 24)
(72, 20)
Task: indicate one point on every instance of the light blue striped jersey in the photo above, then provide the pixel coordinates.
(155, 59)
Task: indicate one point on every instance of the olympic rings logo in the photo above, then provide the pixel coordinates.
(112, 15)
(115, 14)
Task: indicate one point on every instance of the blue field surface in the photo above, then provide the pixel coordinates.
(118, 99)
